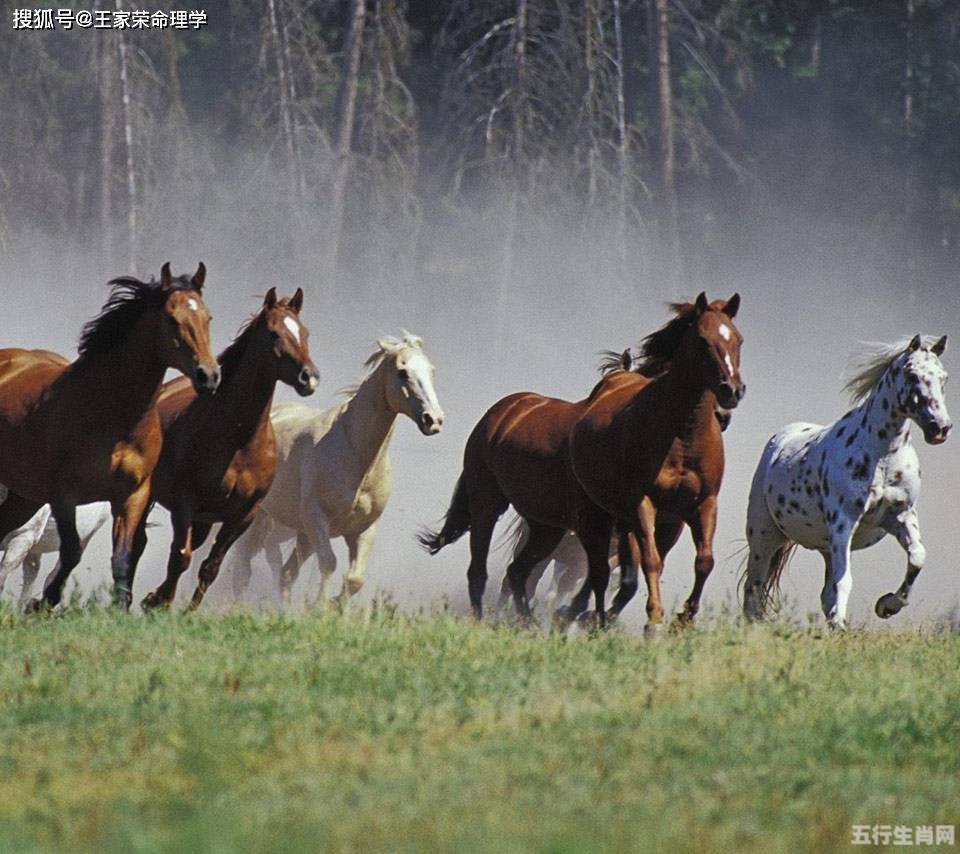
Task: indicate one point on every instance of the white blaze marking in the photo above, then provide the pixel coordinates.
(726, 358)
(193, 304)
(724, 332)
(293, 326)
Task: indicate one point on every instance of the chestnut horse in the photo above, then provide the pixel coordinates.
(519, 454)
(652, 448)
(75, 433)
(220, 454)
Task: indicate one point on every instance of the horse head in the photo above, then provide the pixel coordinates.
(288, 336)
(717, 348)
(920, 380)
(185, 337)
(409, 382)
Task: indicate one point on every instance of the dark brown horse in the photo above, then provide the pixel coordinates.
(73, 433)
(519, 454)
(652, 451)
(573, 566)
(219, 454)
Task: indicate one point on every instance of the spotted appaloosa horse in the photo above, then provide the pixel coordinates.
(847, 485)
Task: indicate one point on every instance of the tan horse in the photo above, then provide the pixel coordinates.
(88, 431)
(219, 454)
(333, 471)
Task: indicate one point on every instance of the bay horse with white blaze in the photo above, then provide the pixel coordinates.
(846, 485)
(75, 433)
(653, 450)
(220, 454)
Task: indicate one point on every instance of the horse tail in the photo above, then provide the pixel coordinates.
(456, 522)
(515, 535)
(771, 586)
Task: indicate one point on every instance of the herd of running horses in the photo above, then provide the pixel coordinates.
(623, 470)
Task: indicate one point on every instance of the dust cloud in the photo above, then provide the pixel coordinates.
(811, 290)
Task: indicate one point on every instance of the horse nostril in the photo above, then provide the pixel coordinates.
(946, 430)
(742, 391)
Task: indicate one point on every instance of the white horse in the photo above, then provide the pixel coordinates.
(333, 469)
(38, 536)
(847, 485)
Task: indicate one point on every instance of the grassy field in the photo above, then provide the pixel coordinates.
(381, 732)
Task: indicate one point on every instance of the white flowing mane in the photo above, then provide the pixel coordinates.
(869, 364)
(388, 345)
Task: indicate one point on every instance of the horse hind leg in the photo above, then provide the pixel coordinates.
(31, 569)
(71, 550)
(539, 546)
(765, 547)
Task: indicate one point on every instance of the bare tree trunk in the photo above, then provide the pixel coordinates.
(108, 129)
(345, 110)
(589, 65)
(622, 142)
(517, 168)
(283, 90)
(128, 142)
(670, 213)
(910, 178)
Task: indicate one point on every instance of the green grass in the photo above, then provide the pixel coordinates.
(320, 732)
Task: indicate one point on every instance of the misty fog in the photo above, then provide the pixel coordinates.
(509, 295)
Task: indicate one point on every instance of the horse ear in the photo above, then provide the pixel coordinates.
(270, 299)
(166, 277)
(199, 277)
(915, 343)
(296, 301)
(626, 360)
(938, 348)
(702, 304)
(732, 306)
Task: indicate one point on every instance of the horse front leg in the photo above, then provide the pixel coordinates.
(228, 534)
(628, 558)
(702, 527)
(128, 520)
(652, 565)
(181, 550)
(359, 547)
(838, 580)
(906, 528)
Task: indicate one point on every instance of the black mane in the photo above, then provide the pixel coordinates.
(231, 357)
(128, 301)
(658, 348)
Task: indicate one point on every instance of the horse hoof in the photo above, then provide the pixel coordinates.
(652, 631)
(152, 601)
(888, 605)
(36, 606)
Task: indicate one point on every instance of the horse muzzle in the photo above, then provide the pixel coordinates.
(729, 395)
(935, 434)
(430, 422)
(206, 379)
(307, 381)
